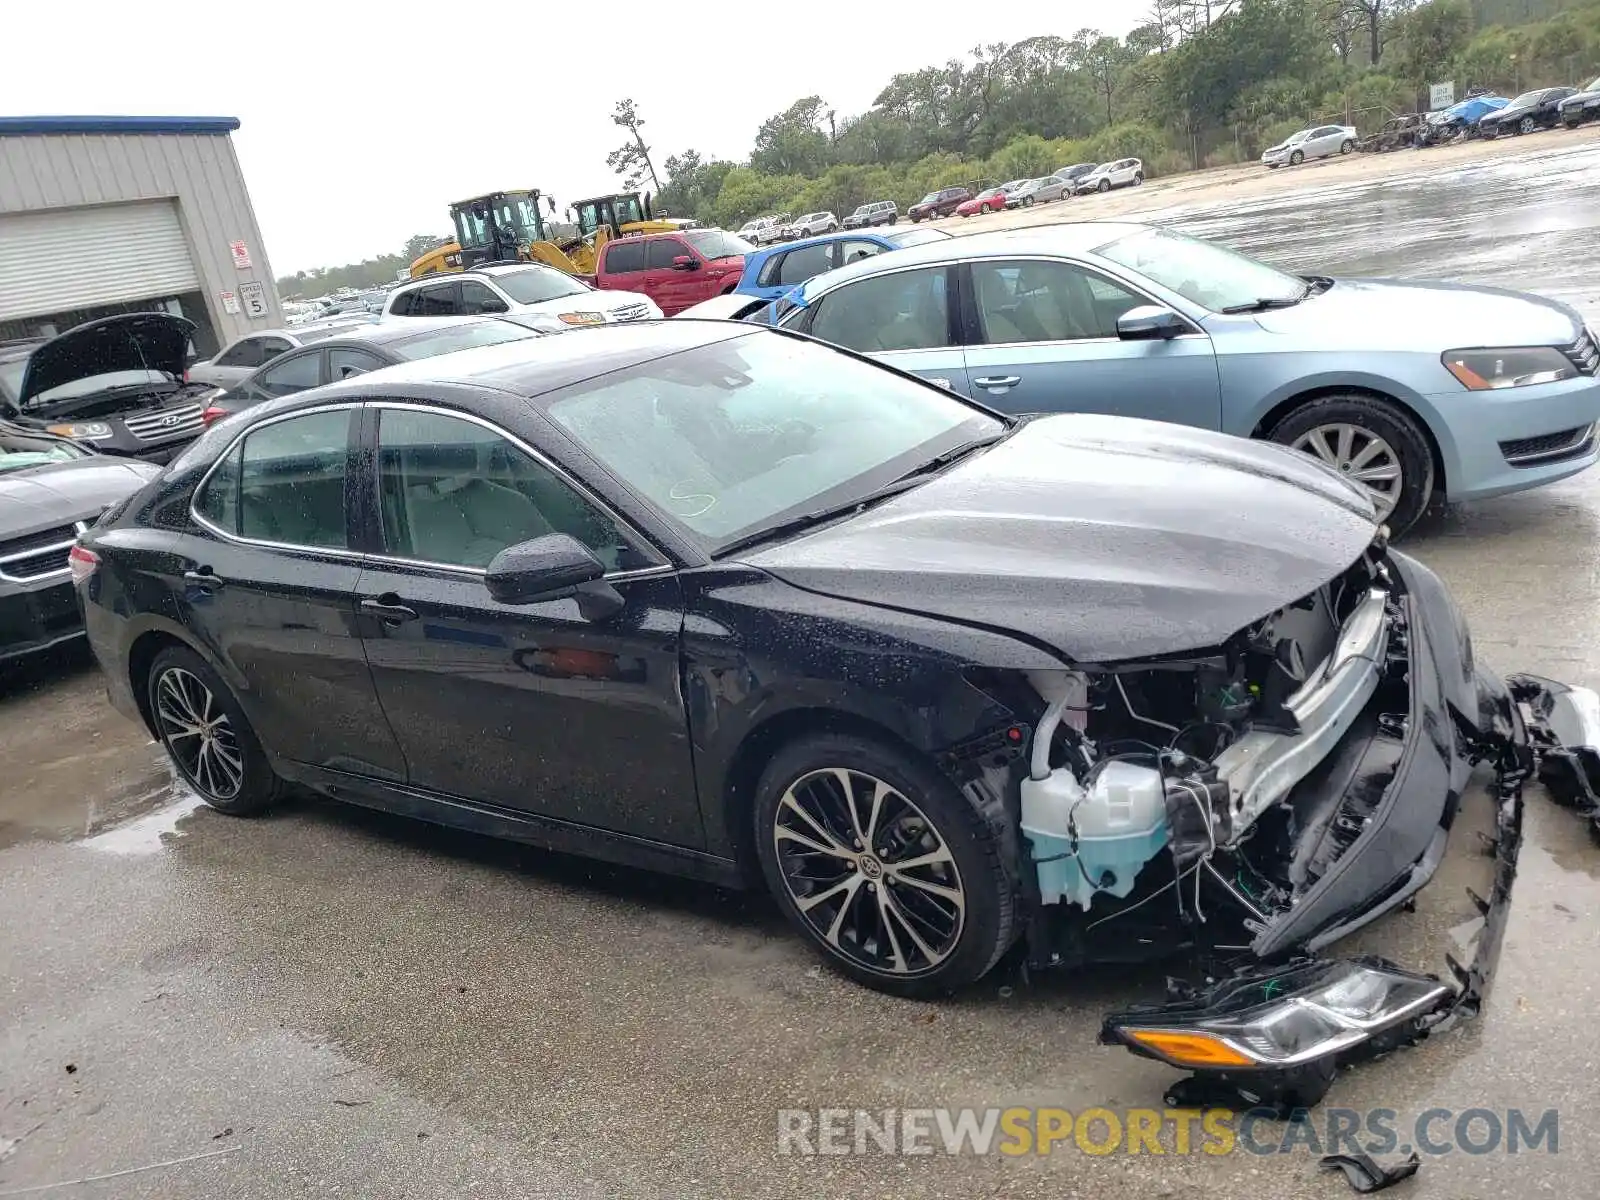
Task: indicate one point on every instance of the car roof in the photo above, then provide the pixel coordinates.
(1064, 237)
(385, 332)
(535, 366)
(821, 239)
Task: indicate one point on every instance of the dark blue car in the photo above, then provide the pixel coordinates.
(772, 272)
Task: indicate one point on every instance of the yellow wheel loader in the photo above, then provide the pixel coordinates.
(509, 227)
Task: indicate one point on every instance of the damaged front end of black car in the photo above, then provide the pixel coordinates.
(1252, 804)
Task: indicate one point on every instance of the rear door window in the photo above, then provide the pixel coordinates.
(906, 310)
(294, 374)
(292, 481)
(437, 301)
(800, 265)
(624, 257)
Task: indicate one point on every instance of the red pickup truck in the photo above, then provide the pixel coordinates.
(675, 270)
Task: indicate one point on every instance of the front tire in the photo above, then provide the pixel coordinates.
(1372, 442)
(1346, 146)
(207, 735)
(1296, 158)
(882, 865)
(1104, 186)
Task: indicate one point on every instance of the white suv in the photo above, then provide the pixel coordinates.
(1125, 172)
(810, 225)
(517, 288)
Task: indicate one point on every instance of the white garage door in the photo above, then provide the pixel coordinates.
(83, 257)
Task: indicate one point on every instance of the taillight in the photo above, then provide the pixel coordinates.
(82, 561)
(212, 413)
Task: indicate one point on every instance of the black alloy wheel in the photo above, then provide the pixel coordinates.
(207, 735)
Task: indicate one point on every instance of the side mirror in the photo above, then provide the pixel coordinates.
(552, 567)
(493, 306)
(684, 263)
(1149, 322)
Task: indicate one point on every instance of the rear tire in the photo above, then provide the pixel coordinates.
(1138, 179)
(937, 925)
(1527, 125)
(207, 736)
(1382, 435)
(1346, 146)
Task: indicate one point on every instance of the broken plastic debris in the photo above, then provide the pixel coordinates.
(1364, 1174)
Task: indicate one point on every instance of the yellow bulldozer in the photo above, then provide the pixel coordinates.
(510, 227)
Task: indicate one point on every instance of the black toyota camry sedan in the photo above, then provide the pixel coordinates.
(716, 599)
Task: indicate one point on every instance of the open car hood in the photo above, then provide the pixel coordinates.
(146, 341)
(1106, 538)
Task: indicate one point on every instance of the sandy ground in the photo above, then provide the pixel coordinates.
(1250, 181)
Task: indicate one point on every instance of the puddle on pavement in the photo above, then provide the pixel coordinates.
(57, 814)
(146, 834)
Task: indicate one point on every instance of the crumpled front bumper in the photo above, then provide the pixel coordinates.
(1273, 1029)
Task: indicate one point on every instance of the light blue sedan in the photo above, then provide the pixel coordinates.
(1419, 392)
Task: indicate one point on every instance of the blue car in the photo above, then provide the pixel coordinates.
(1418, 392)
(772, 272)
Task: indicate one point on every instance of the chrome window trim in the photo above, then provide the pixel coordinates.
(355, 556)
(238, 438)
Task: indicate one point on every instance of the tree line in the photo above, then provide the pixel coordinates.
(1197, 83)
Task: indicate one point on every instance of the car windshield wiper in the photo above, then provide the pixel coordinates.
(940, 461)
(1267, 302)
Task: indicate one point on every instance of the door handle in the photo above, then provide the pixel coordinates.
(390, 614)
(204, 579)
(998, 382)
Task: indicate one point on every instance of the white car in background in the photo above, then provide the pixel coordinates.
(1321, 141)
(1124, 172)
(242, 356)
(810, 225)
(517, 288)
(763, 231)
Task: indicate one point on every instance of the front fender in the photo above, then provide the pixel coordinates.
(760, 656)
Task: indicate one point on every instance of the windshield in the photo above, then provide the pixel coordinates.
(535, 285)
(1299, 137)
(717, 243)
(460, 337)
(1592, 86)
(1525, 98)
(915, 236)
(930, 198)
(1202, 272)
(746, 433)
(19, 451)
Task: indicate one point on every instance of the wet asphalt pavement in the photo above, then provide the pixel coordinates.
(326, 1001)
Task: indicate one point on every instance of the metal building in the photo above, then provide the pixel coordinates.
(101, 215)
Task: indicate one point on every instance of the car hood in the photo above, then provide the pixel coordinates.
(146, 341)
(60, 493)
(1581, 98)
(600, 300)
(1106, 538)
(1426, 316)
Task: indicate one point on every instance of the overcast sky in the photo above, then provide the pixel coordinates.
(362, 121)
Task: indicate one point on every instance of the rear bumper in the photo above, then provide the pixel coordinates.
(1460, 716)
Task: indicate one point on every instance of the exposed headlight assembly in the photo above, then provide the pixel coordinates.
(581, 318)
(83, 431)
(1490, 370)
(1287, 1018)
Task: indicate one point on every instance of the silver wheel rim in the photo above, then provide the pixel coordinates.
(1362, 457)
(198, 734)
(869, 872)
